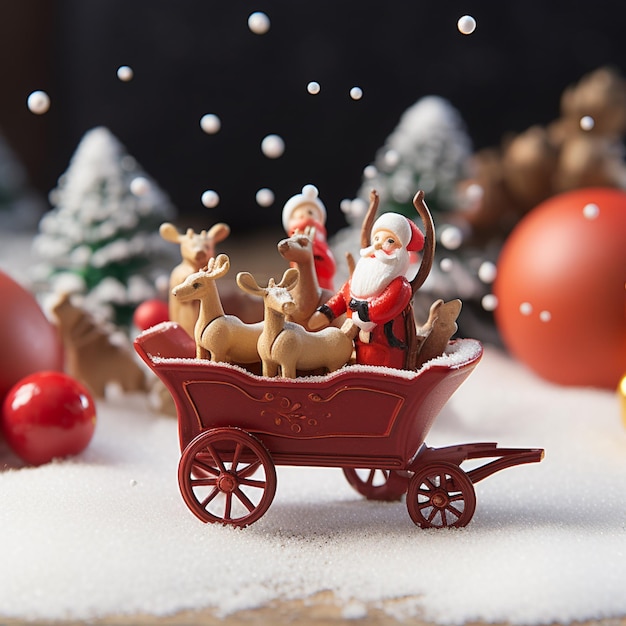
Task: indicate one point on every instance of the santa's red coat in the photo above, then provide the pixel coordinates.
(387, 344)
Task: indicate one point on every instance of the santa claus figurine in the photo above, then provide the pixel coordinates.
(378, 294)
(306, 211)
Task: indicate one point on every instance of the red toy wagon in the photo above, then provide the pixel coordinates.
(235, 427)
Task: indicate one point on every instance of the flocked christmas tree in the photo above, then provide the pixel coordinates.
(101, 237)
(429, 150)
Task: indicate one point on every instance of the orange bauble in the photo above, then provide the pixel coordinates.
(561, 288)
(28, 341)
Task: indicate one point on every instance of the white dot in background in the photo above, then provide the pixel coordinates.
(587, 122)
(487, 272)
(474, 193)
(210, 199)
(265, 197)
(526, 308)
(273, 146)
(489, 302)
(446, 264)
(391, 158)
(139, 186)
(313, 87)
(545, 316)
(353, 208)
(370, 172)
(356, 93)
(125, 73)
(133, 482)
(258, 23)
(451, 237)
(210, 123)
(466, 25)
(591, 211)
(38, 102)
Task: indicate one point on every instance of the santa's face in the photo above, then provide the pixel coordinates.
(386, 240)
(379, 264)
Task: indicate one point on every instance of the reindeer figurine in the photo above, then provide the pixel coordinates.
(92, 355)
(218, 336)
(307, 294)
(286, 347)
(196, 249)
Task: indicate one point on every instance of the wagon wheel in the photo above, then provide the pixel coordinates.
(226, 475)
(441, 495)
(377, 484)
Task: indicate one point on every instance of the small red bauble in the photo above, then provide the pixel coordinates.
(28, 341)
(48, 415)
(560, 288)
(150, 313)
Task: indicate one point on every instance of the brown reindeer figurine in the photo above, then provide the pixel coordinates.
(196, 249)
(218, 336)
(307, 294)
(286, 347)
(91, 356)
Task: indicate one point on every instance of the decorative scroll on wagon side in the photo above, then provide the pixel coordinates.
(298, 412)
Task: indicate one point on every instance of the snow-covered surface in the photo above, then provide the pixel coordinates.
(108, 532)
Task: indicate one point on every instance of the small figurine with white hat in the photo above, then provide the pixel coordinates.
(305, 212)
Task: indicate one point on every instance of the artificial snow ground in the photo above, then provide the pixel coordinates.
(108, 532)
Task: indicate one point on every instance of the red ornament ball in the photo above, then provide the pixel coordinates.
(48, 415)
(561, 288)
(28, 341)
(150, 313)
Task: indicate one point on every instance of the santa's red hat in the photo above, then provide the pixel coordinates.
(409, 235)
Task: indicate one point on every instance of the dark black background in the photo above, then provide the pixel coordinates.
(191, 57)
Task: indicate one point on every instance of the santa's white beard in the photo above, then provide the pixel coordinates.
(373, 273)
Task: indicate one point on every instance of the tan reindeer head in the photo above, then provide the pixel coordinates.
(195, 248)
(195, 285)
(299, 247)
(276, 296)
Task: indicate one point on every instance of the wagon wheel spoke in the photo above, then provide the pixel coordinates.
(236, 456)
(209, 498)
(243, 498)
(228, 507)
(204, 465)
(429, 480)
(249, 482)
(249, 470)
(434, 512)
(454, 511)
(203, 482)
(216, 457)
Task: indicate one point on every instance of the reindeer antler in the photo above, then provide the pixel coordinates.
(369, 219)
(428, 255)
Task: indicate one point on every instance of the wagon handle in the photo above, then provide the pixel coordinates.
(502, 457)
